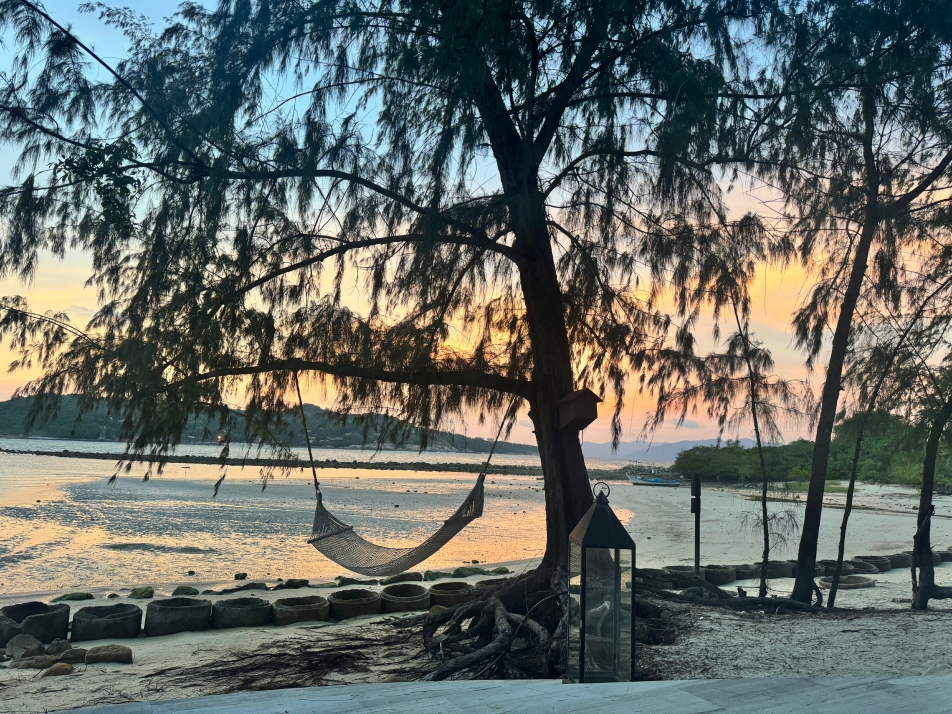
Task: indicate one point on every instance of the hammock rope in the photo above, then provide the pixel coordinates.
(338, 542)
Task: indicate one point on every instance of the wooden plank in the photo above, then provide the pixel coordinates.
(840, 695)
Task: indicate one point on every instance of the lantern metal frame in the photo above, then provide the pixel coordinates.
(599, 529)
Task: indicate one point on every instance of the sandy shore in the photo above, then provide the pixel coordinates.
(881, 635)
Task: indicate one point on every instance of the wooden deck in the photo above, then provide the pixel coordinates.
(842, 695)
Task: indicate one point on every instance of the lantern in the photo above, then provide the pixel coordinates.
(601, 624)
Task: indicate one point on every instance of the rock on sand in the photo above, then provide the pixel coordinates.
(119, 654)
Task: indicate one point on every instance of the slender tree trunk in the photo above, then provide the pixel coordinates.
(763, 495)
(760, 450)
(841, 549)
(568, 493)
(925, 588)
(809, 540)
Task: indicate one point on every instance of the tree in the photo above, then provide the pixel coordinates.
(738, 385)
(491, 175)
(857, 141)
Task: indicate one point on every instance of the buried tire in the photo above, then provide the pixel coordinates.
(354, 603)
(719, 574)
(880, 561)
(177, 614)
(861, 567)
(404, 597)
(901, 560)
(106, 622)
(241, 612)
(828, 567)
(848, 582)
(451, 593)
(776, 569)
(45, 622)
(289, 610)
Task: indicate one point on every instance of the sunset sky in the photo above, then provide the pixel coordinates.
(58, 285)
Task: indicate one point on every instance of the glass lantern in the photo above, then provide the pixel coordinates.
(601, 631)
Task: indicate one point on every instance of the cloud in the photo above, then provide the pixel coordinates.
(687, 424)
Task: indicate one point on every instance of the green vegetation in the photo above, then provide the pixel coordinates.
(326, 428)
(892, 453)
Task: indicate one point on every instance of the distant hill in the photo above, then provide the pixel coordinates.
(644, 451)
(324, 428)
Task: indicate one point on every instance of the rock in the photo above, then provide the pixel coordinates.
(241, 576)
(112, 595)
(403, 578)
(468, 571)
(73, 596)
(21, 646)
(58, 670)
(698, 592)
(191, 572)
(475, 562)
(76, 655)
(246, 586)
(291, 584)
(209, 592)
(436, 575)
(38, 662)
(435, 609)
(57, 647)
(501, 570)
(119, 654)
(143, 593)
(324, 585)
(344, 580)
(184, 590)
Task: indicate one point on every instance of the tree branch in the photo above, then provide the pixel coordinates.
(419, 377)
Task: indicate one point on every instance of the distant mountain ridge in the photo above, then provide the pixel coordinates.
(324, 428)
(650, 451)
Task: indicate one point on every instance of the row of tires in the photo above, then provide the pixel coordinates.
(860, 565)
(184, 614)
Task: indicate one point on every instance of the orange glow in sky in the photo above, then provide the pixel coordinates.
(58, 286)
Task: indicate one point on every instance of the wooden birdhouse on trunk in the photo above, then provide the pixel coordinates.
(578, 409)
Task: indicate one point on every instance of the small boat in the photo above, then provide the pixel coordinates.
(641, 481)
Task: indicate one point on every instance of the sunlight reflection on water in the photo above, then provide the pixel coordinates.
(63, 527)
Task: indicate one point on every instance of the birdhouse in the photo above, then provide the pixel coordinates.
(600, 588)
(578, 409)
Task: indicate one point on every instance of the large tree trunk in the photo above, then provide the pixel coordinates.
(804, 585)
(568, 493)
(924, 588)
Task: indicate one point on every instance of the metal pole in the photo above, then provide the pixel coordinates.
(696, 510)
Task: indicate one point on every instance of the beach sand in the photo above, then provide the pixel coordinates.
(889, 638)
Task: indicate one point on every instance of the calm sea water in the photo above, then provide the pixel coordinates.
(63, 527)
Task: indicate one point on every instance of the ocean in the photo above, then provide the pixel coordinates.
(64, 527)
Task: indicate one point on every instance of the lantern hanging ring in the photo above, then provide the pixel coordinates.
(606, 491)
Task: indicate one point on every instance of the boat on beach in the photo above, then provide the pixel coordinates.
(654, 481)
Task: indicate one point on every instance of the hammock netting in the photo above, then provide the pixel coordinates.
(338, 541)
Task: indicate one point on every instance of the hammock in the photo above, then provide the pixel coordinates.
(338, 541)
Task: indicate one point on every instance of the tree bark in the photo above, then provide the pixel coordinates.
(568, 493)
(806, 558)
(925, 589)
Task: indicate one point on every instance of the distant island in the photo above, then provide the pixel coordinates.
(326, 429)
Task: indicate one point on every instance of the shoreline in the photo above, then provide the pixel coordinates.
(452, 467)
